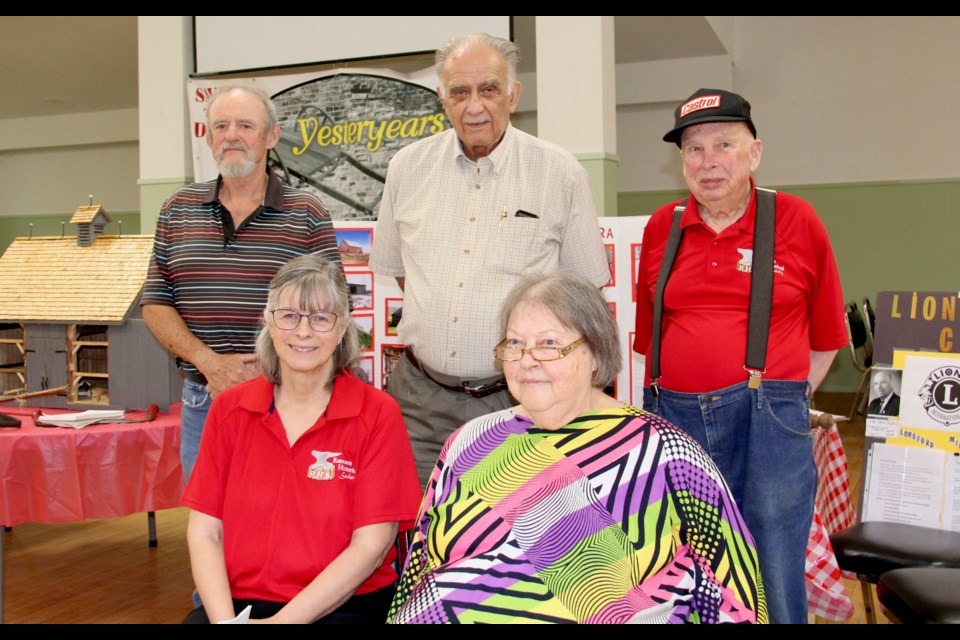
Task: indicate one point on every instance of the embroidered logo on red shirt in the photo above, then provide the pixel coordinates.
(745, 264)
(322, 469)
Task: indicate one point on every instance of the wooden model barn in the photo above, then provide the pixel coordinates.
(71, 331)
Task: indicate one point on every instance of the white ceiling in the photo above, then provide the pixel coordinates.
(56, 65)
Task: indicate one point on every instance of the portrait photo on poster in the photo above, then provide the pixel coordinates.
(885, 389)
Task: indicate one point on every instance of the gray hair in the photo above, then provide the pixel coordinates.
(268, 107)
(509, 50)
(580, 307)
(322, 286)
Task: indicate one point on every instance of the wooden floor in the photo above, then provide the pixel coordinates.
(99, 571)
(102, 571)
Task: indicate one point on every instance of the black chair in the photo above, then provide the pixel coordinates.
(920, 595)
(871, 549)
(871, 319)
(861, 352)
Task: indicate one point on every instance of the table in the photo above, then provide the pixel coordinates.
(59, 474)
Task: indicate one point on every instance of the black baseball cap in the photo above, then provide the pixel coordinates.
(709, 105)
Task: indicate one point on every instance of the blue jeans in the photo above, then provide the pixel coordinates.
(761, 442)
(193, 413)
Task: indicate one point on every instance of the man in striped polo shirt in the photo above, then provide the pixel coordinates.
(218, 244)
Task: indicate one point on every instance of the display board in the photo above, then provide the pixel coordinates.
(378, 301)
(911, 470)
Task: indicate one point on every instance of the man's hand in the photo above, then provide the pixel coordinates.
(225, 371)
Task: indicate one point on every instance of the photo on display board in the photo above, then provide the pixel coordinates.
(394, 311)
(635, 252)
(612, 263)
(354, 247)
(389, 357)
(360, 284)
(365, 370)
(885, 390)
(364, 324)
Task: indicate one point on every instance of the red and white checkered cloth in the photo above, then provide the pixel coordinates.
(833, 486)
(826, 594)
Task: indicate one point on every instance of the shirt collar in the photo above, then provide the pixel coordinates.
(345, 401)
(273, 199)
(498, 156)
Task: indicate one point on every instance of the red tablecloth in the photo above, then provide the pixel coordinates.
(60, 474)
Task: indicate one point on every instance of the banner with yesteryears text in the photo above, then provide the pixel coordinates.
(338, 130)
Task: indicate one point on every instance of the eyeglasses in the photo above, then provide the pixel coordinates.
(509, 353)
(320, 321)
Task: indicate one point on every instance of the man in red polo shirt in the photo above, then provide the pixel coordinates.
(752, 420)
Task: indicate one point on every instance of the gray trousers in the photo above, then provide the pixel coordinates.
(432, 413)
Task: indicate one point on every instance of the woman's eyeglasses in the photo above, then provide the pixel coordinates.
(510, 353)
(320, 321)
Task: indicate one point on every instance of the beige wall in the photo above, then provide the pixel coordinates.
(836, 99)
(52, 164)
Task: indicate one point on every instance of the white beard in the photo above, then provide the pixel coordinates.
(236, 168)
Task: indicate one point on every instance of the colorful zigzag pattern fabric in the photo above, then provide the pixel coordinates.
(618, 517)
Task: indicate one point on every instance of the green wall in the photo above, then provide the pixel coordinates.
(887, 236)
(49, 225)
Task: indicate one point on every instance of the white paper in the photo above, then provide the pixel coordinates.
(81, 419)
(951, 498)
(242, 618)
(639, 363)
(883, 427)
(908, 485)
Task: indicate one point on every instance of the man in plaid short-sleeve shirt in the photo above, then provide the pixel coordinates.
(464, 215)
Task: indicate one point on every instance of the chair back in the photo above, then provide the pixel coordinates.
(860, 340)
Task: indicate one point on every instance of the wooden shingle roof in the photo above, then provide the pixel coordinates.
(87, 214)
(54, 280)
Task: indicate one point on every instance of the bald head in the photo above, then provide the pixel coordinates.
(883, 382)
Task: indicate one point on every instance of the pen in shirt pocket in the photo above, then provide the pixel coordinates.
(519, 214)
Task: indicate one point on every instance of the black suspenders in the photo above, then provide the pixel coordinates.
(761, 288)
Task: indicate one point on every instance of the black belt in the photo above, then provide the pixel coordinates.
(194, 376)
(472, 389)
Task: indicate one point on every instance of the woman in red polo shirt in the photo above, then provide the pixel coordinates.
(305, 474)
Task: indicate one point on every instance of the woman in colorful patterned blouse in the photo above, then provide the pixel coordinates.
(572, 507)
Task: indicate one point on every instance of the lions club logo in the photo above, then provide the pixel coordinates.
(940, 394)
